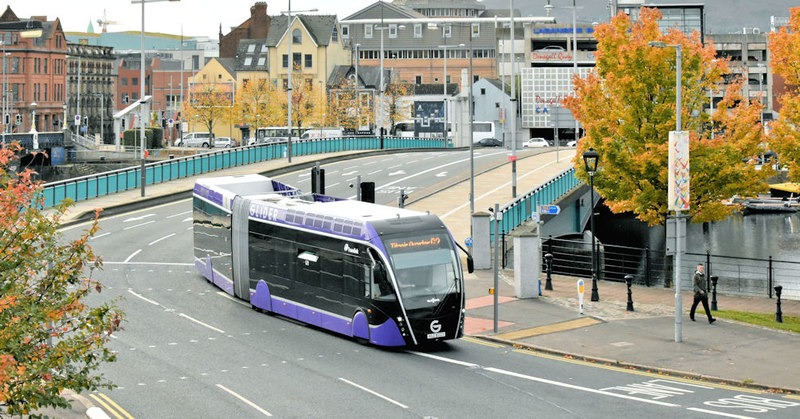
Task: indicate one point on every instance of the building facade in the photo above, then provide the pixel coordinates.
(35, 73)
(91, 90)
(257, 26)
(749, 59)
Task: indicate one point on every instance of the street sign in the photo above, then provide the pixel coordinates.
(535, 217)
(468, 241)
(77, 119)
(512, 158)
(549, 209)
(170, 122)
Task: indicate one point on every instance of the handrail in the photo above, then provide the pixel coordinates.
(113, 181)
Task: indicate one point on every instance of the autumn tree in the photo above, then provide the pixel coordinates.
(784, 47)
(209, 103)
(627, 106)
(51, 339)
(254, 105)
(343, 105)
(395, 96)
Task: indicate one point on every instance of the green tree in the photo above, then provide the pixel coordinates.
(50, 338)
(784, 46)
(627, 107)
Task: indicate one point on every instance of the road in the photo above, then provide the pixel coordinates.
(189, 350)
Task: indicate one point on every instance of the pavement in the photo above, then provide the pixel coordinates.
(724, 352)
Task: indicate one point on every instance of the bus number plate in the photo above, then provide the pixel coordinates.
(435, 335)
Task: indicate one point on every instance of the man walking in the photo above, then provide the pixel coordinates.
(700, 294)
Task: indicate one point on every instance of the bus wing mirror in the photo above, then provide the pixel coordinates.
(470, 264)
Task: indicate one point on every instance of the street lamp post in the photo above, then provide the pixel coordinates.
(680, 222)
(358, 97)
(290, 39)
(590, 160)
(444, 91)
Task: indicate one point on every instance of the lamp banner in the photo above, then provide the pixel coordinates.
(678, 178)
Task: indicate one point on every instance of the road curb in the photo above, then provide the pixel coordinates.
(88, 215)
(644, 368)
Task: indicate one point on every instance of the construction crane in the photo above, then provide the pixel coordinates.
(104, 22)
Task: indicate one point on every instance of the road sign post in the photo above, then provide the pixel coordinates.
(580, 295)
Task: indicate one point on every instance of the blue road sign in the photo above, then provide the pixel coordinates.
(468, 241)
(549, 209)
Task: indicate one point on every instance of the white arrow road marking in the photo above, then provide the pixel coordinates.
(442, 174)
(399, 172)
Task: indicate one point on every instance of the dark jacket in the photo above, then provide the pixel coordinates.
(699, 283)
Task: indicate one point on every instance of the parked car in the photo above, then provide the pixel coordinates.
(225, 142)
(536, 142)
(572, 143)
(196, 139)
(489, 142)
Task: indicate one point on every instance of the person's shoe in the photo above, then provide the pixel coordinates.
(712, 321)
(691, 317)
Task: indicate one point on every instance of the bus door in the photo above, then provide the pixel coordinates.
(240, 247)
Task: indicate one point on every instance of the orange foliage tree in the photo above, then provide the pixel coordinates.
(209, 103)
(627, 107)
(50, 338)
(784, 46)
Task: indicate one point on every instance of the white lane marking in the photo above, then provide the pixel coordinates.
(304, 175)
(580, 388)
(138, 225)
(187, 219)
(330, 172)
(179, 214)
(396, 165)
(132, 255)
(201, 323)
(127, 220)
(114, 217)
(399, 172)
(245, 401)
(234, 299)
(140, 296)
(377, 171)
(332, 185)
(412, 161)
(99, 235)
(441, 174)
(541, 380)
(370, 163)
(350, 168)
(454, 210)
(350, 173)
(443, 359)
(149, 263)
(712, 412)
(158, 240)
(374, 393)
(427, 171)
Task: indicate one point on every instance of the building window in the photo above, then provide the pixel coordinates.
(476, 30)
(483, 91)
(262, 61)
(368, 31)
(264, 48)
(134, 81)
(297, 37)
(335, 34)
(345, 31)
(296, 60)
(308, 61)
(123, 81)
(447, 31)
(418, 79)
(417, 30)
(251, 48)
(285, 84)
(248, 60)
(392, 31)
(45, 67)
(45, 93)
(135, 96)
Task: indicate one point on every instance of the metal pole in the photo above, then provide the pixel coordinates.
(513, 105)
(680, 226)
(289, 91)
(141, 98)
(444, 98)
(471, 142)
(595, 294)
(574, 60)
(358, 96)
(102, 117)
(496, 260)
(78, 103)
(5, 107)
(380, 107)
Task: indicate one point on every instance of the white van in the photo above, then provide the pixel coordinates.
(322, 133)
(196, 139)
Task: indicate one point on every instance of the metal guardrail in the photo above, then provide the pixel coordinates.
(106, 183)
(516, 212)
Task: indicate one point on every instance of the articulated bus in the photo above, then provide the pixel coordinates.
(386, 275)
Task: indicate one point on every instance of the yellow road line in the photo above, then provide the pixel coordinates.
(108, 399)
(639, 372)
(104, 404)
(792, 396)
(482, 342)
(550, 328)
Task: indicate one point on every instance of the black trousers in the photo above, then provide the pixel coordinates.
(697, 299)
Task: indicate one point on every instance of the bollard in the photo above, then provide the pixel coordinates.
(629, 281)
(548, 260)
(778, 313)
(714, 280)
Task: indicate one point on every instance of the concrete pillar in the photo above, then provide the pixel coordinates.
(481, 244)
(527, 263)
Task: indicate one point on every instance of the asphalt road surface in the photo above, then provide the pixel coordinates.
(189, 350)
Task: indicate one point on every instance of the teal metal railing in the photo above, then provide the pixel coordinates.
(106, 183)
(516, 212)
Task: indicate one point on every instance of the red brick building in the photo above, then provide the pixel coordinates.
(256, 27)
(36, 73)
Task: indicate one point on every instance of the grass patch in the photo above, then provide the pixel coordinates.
(790, 323)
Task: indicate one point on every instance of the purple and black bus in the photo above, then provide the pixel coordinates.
(386, 275)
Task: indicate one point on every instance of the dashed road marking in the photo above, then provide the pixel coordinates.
(244, 400)
(99, 235)
(712, 412)
(374, 393)
(139, 225)
(163, 238)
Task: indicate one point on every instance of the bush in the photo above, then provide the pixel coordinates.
(154, 137)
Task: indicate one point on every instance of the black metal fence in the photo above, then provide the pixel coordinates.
(749, 276)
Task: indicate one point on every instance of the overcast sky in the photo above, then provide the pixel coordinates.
(203, 17)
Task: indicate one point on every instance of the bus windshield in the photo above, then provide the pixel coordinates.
(425, 267)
